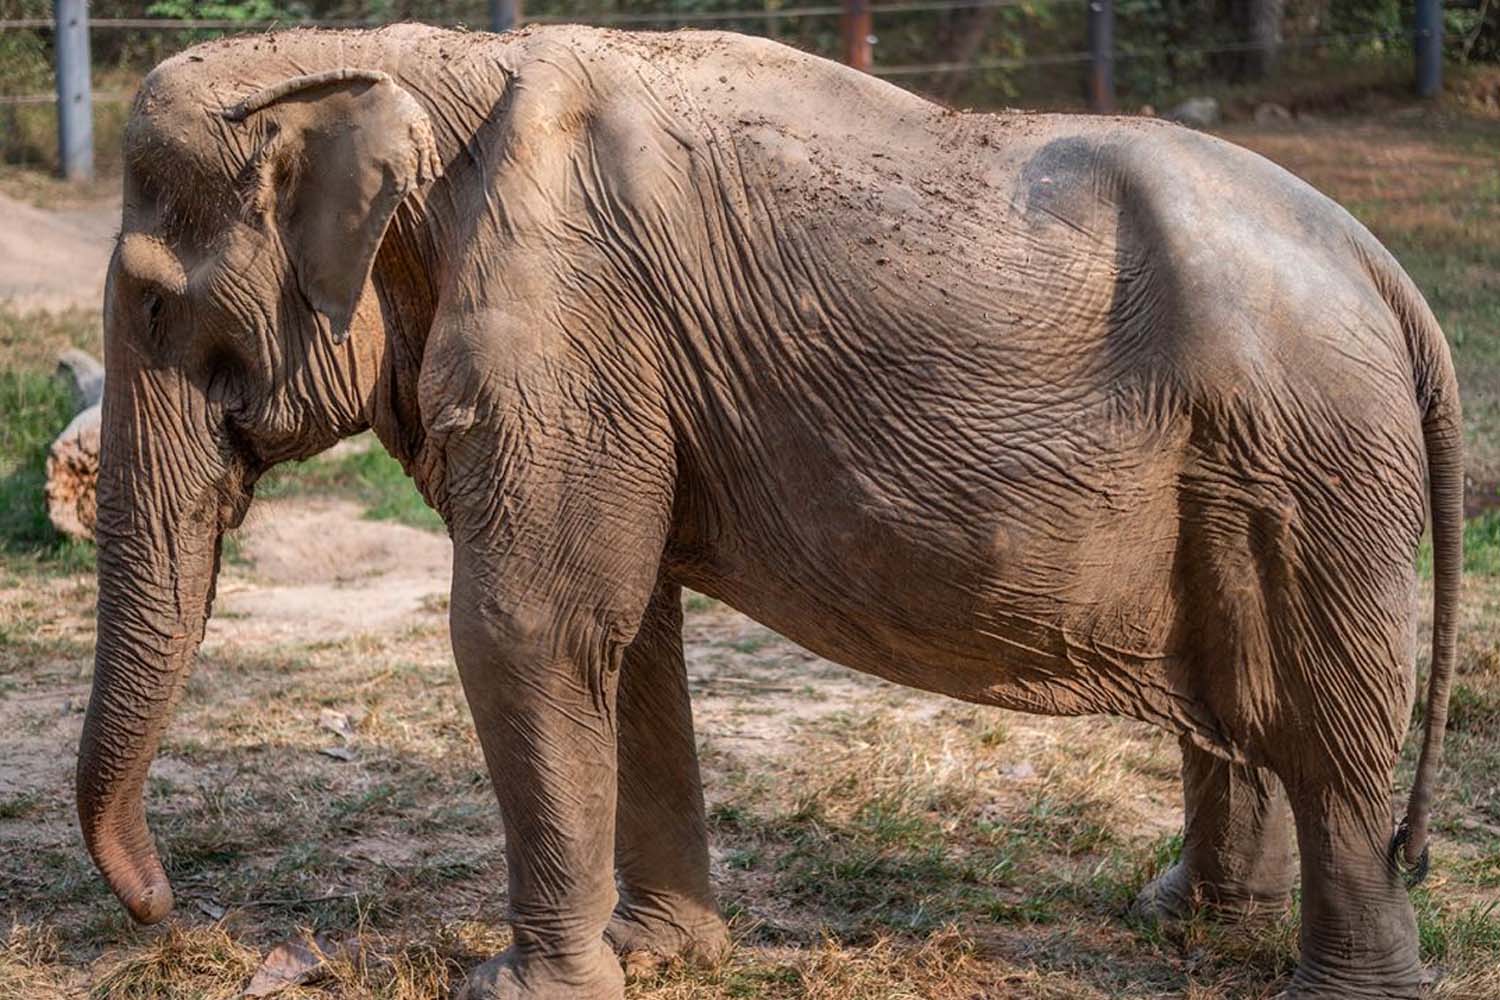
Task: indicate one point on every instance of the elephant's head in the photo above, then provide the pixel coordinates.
(254, 210)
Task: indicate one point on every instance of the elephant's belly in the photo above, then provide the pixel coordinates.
(1061, 622)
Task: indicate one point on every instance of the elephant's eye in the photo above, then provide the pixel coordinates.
(153, 313)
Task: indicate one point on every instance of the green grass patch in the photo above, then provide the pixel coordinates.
(1481, 547)
(20, 806)
(1469, 937)
(751, 644)
(1482, 543)
(694, 602)
(879, 867)
(35, 408)
(1473, 709)
(370, 477)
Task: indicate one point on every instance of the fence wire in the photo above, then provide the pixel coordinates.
(670, 19)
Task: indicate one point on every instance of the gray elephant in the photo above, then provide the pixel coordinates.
(1060, 414)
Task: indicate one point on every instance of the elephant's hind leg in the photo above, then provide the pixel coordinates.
(1345, 661)
(1238, 859)
(666, 905)
(1359, 935)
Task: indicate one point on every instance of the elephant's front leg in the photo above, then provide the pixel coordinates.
(1238, 847)
(541, 690)
(661, 843)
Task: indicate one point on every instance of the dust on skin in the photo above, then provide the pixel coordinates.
(1082, 414)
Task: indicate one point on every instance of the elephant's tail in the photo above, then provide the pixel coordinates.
(1442, 433)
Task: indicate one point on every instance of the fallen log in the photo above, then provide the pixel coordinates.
(73, 462)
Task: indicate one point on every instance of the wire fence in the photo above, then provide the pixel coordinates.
(669, 20)
(963, 51)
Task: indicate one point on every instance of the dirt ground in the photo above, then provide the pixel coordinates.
(55, 259)
(870, 842)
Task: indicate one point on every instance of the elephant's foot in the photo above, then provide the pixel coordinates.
(512, 976)
(1372, 957)
(1313, 982)
(1168, 898)
(644, 937)
(1176, 895)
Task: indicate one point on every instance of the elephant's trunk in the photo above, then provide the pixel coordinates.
(161, 513)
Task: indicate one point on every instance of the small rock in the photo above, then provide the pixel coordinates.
(82, 373)
(1019, 771)
(1147, 111)
(1270, 113)
(209, 909)
(1199, 112)
(338, 753)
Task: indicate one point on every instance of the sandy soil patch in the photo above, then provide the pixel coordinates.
(55, 259)
(316, 571)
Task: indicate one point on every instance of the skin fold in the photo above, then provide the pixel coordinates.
(1061, 414)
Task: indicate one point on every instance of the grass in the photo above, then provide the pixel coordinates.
(1481, 546)
(202, 964)
(365, 473)
(35, 406)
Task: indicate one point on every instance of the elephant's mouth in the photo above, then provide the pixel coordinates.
(235, 495)
(246, 466)
(233, 509)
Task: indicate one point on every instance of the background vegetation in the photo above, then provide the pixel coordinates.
(1165, 48)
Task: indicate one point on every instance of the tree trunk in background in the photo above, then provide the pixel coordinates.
(73, 462)
(1261, 21)
(966, 40)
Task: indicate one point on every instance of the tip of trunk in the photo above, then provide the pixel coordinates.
(150, 903)
(139, 882)
(125, 852)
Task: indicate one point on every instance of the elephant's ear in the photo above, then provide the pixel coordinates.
(345, 148)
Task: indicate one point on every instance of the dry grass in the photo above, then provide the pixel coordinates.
(900, 845)
(203, 963)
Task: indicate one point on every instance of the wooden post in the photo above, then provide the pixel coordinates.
(858, 30)
(1428, 42)
(505, 15)
(75, 102)
(1101, 83)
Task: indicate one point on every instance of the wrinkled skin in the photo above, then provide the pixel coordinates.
(1060, 414)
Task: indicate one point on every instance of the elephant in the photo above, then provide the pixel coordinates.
(1056, 413)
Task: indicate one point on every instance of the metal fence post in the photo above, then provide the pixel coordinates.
(1101, 55)
(505, 14)
(858, 28)
(1427, 40)
(75, 102)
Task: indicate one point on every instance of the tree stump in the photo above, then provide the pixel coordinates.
(73, 462)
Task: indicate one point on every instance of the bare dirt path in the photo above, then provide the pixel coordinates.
(55, 259)
(317, 571)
